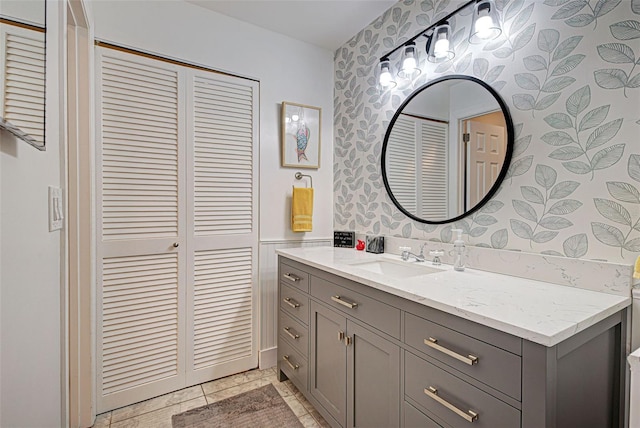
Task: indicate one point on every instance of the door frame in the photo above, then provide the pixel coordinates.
(458, 155)
(80, 219)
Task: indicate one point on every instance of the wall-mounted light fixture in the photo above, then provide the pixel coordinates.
(409, 68)
(387, 81)
(485, 25)
(439, 48)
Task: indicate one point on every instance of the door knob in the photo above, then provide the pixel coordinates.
(176, 244)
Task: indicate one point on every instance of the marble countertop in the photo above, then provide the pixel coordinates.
(538, 311)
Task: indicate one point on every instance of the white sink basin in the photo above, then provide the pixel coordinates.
(396, 269)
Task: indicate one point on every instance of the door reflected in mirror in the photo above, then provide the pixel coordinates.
(447, 149)
(22, 69)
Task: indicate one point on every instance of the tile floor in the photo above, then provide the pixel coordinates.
(157, 412)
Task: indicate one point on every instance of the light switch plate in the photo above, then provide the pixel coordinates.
(56, 209)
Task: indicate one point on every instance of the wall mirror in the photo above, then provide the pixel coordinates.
(22, 69)
(447, 149)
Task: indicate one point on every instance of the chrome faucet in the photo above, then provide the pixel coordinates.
(406, 254)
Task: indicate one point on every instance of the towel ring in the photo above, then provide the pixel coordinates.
(299, 176)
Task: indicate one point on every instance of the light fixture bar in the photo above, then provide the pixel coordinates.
(431, 27)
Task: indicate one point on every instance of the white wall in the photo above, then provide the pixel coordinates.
(31, 11)
(31, 288)
(432, 103)
(288, 70)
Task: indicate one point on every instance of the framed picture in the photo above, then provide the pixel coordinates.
(301, 135)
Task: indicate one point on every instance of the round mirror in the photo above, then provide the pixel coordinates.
(447, 149)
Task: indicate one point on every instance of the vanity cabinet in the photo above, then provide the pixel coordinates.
(367, 358)
(355, 373)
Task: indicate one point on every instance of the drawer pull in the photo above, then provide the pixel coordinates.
(293, 366)
(289, 301)
(349, 305)
(291, 335)
(292, 277)
(341, 336)
(433, 343)
(469, 415)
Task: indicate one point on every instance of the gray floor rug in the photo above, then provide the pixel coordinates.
(262, 407)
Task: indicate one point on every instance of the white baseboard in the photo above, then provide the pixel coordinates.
(268, 358)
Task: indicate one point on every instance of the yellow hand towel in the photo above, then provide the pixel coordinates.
(636, 270)
(302, 209)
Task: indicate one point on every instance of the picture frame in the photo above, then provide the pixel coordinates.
(301, 135)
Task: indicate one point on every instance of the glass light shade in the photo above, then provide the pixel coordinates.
(485, 25)
(386, 77)
(439, 47)
(409, 68)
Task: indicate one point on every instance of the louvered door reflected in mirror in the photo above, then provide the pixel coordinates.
(22, 70)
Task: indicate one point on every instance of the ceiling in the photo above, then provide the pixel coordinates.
(325, 23)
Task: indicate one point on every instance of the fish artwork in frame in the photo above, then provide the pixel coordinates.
(301, 135)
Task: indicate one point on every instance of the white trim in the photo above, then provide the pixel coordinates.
(268, 358)
(285, 241)
(178, 60)
(80, 236)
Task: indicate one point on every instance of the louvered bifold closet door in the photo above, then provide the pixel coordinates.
(223, 225)
(141, 227)
(401, 162)
(23, 78)
(434, 183)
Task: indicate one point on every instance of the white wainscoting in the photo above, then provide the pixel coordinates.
(268, 274)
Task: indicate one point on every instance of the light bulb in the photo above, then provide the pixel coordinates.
(295, 117)
(484, 27)
(409, 63)
(409, 67)
(386, 78)
(441, 49)
(486, 24)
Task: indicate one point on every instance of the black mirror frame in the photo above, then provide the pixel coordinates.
(505, 164)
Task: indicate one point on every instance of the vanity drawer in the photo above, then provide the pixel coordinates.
(294, 303)
(295, 333)
(294, 277)
(454, 398)
(414, 418)
(293, 364)
(373, 312)
(493, 366)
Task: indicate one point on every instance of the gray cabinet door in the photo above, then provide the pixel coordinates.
(373, 370)
(329, 361)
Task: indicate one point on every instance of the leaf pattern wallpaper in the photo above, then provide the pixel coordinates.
(569, 71)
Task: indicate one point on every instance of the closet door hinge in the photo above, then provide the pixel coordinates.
(466, 137)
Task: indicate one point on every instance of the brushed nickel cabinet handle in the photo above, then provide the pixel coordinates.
(341, 336)
(292, 277)
(176, 244)
(349, 305)
(288, 331)
(433, 343)
(289, 301)
(347, 340)
(469, 415)
(293, 366)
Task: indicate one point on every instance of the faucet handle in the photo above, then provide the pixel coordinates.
(405, 252)
(436, 254)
